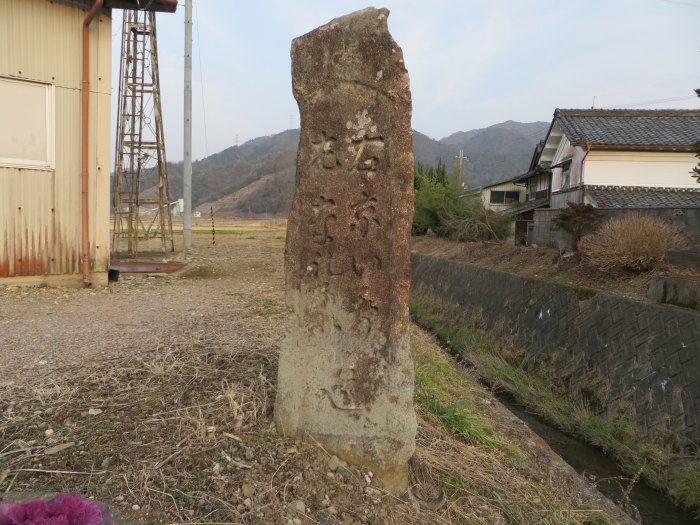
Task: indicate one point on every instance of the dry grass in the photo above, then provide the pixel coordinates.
(204, 224)
(184, 427)
(173, 423)
(484, 488)
(635, 242)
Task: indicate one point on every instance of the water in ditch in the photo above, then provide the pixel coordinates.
(654, 507)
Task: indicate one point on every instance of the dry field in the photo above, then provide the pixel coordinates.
(155, 396)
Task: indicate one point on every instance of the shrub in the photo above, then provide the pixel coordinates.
(440, 208)
(578, 220)
(432, 202)
(470, 221)
(432, 195)
(635, 242)
(695, 172)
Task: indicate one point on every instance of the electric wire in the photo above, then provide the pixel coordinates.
(201, 79)
(681, 3)
(616, 106)
(649, 102)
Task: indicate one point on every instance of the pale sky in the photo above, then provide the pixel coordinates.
(472, 63)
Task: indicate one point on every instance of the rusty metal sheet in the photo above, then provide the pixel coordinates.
(40, 209)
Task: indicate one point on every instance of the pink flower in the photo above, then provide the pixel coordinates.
(61, 510)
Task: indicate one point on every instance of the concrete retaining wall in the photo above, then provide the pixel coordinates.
(548, 233)
(678, 291)
(622, 356)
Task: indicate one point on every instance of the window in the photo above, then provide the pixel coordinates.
(531, 190)
(26, 124)
(504, 197)
(566, 176)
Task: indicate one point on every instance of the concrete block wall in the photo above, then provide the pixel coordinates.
(548, 234)
(624, 357)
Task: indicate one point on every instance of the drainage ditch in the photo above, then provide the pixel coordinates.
(654, 507)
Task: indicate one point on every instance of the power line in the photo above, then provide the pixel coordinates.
(201, 81)
(650, 102)
(681, 3)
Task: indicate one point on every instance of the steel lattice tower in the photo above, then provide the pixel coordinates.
(140, 148)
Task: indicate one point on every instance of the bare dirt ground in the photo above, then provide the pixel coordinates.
(48, 330)
(155, 396)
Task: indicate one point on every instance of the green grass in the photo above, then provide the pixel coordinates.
(444, 393)
(688, 489)
(88, 488)
(261, 439)
(584, 294)
(456, 420)
(501, 366)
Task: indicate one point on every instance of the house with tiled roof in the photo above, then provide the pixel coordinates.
(614, 160)
(500, 195)
(55, 90)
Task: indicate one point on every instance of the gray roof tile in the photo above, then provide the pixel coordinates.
(668, 129)
(641, 197)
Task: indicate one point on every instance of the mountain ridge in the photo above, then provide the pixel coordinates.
(257, 177)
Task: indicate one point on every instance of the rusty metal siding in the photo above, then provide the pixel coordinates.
(40, 210)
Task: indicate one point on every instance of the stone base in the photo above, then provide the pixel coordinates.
(394, 479)
(356, 403)
(685, 259)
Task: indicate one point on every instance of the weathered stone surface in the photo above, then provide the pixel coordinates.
(345, 372)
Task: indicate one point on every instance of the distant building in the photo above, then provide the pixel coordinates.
(615, 160)
(500, 195)
(44, 234)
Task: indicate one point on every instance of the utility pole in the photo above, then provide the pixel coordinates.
(187, 161)
(461, 158)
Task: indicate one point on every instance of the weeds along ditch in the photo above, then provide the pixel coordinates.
(646, 504)
(501, 367)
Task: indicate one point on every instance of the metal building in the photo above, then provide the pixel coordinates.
(54, 138)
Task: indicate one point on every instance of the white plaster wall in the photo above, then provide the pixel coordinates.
(648, 169)
(506, 186)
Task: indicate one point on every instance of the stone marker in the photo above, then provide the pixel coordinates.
(345, 372)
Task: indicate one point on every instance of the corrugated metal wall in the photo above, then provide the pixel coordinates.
(40, 211)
